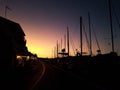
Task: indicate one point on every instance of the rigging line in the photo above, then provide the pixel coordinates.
(72, 43)
(86, 38)
(111, 25)
(96, 38)
(117, 20)
(116, 16)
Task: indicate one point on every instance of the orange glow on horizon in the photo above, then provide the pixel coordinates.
(40, 47)
(42, 40)
(40, 52)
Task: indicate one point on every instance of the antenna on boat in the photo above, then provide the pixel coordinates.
(111, 27)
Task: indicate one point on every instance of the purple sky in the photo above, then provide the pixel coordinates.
(45, 21)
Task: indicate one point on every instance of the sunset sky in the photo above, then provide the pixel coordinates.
(45, 21)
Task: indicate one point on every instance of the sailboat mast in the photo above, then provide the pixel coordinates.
(81, 34)
(57, 49)
(68, 39)
(90, 33)
(61, 45)
(65, 42)
(111, 27)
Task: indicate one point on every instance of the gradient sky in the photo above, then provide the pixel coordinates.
(45, 21)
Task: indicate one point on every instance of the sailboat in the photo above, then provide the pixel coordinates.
(111, 30)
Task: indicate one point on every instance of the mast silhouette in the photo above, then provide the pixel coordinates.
(68, 39)
(111, 26)
(65, 42)
(81, 35)
(90, 34)
(57, 49)
(99, 50)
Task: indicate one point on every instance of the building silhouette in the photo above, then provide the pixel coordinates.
(12, 43)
